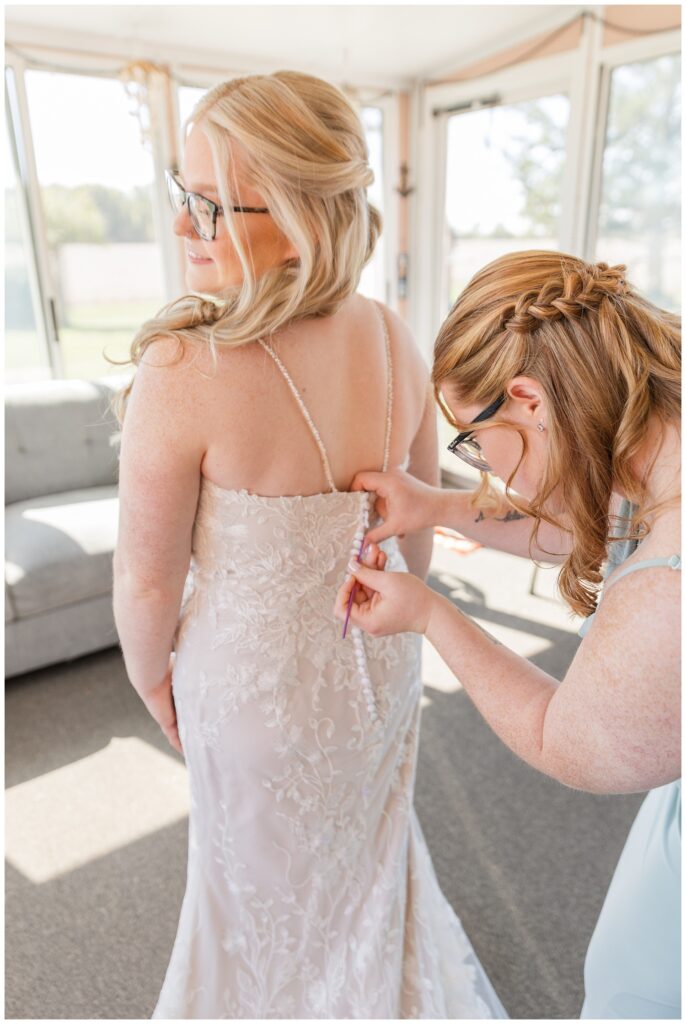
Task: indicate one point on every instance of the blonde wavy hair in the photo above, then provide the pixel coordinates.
(304, 149)
(606, 358)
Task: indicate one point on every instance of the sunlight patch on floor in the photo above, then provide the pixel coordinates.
(435, 672)
(518, 640)
(68, 817)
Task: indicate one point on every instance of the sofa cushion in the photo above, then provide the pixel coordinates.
(59, 436)
(58, 548)
(59, 635)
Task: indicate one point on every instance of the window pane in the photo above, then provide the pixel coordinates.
(373, 280)
(26, 357)
(503, 193)
(96, 179)
(640, 209)
(188, 97)
(503, 185)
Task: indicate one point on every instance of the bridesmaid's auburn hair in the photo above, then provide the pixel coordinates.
(608, 361)
(305, 150)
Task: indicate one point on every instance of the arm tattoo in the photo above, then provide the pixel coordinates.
(509, 517)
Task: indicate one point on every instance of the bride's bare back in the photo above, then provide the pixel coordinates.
(257, 438)
(241, 427)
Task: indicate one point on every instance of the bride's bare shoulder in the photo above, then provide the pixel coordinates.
(170, 363)
(173, 378)
(171, 353)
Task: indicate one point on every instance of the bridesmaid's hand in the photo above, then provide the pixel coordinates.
(160, 703)
(405, 503)
(384, 602)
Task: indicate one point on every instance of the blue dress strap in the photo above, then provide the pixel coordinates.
(672, 561)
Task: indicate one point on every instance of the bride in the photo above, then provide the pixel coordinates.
(257, 398)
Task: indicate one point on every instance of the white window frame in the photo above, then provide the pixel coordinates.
(584, 74)
(515, 85)
(389, 106)
(75, 63)
(33, 220)
(634, 51)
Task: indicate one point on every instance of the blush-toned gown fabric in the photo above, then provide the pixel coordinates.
(310, 890)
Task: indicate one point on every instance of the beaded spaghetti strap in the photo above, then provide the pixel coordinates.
(308, 419)
(671, 561)
(389, 388)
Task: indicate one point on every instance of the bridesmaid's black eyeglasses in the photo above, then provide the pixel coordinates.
(469, 450)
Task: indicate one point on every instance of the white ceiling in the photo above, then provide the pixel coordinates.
(375, 44)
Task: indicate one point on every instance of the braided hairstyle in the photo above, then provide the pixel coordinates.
(305, 151)
(606, 358)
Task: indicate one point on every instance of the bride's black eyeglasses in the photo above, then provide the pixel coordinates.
(469, 450)
(201, 210)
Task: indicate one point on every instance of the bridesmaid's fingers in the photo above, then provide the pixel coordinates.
(343, 596)
(375, 558)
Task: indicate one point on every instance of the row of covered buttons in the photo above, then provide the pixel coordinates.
(357, 635)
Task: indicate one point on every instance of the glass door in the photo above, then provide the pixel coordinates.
(96, 180)
(503, 193)
(639, 215)
(26, 353)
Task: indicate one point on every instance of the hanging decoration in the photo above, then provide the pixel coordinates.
(140, 79)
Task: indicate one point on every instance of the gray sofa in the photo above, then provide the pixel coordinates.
(60, 520)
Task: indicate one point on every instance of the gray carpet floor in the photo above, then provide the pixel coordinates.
(524, 861)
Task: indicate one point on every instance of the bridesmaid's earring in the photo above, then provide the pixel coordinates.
(540, 426)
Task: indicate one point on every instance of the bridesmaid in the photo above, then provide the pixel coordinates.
(570, 380)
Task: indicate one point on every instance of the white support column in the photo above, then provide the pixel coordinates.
(584, 140)
(650, 46)
(591, 207)
(421, 235)
(428, 223)
(391, 227)
(162, 98)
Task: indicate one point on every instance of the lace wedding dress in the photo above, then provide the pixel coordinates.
(310, 889)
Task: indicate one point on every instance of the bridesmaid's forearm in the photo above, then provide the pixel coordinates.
(502, 528)
(511, 693)
(146, 621)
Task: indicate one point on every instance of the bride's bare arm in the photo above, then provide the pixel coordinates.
(159, 477)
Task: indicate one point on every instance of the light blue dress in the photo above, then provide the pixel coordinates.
(633, 964)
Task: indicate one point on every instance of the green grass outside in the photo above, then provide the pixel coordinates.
(92, 332)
